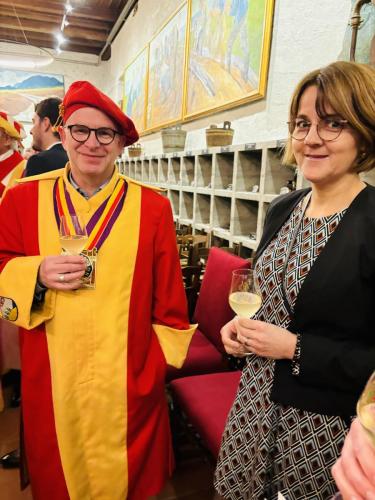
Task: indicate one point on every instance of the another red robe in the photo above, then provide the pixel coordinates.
(11, 169)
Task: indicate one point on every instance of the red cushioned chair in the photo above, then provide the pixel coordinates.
(205, 401)
(206, 352)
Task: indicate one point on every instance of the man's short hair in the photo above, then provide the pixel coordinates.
(49, 108)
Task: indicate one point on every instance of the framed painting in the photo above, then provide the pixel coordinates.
(135, 81)
(21, 90)
(166, 72)
(228, 53)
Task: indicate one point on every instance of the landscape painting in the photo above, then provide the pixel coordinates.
(21, 90)
(166, 72)
(134, 102)
(229, 42)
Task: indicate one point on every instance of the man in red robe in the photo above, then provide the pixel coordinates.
(98, 328)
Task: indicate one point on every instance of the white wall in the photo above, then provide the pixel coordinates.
(307, 34)
(73, 66)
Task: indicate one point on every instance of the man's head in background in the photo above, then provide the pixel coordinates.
(45, 116)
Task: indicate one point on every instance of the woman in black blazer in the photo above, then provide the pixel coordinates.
(312, 342)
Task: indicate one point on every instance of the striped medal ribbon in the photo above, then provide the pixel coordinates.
(100, 224)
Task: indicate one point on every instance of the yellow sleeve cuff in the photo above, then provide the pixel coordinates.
(174, 343)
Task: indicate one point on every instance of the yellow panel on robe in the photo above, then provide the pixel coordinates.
(17, 173)
(83, 345)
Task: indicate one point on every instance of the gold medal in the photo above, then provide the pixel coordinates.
(88, 279)
(90, 256)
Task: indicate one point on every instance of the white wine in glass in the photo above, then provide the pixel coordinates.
(73, 235)
(244, 296)
(366, 408)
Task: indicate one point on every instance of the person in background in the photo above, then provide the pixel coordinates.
(12, 163)
(354, 471)
(46, 139)
(30, 152)
(310, 348)
(98, 328)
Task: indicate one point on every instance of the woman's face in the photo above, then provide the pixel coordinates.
(323, 162)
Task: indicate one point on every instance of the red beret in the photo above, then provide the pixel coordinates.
(83, 94)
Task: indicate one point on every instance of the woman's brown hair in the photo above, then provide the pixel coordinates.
(349, 88)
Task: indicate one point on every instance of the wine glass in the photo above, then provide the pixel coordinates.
(244, 296)
(73, 235)
(366, 408)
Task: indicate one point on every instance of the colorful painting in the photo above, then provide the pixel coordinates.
(166, 72)
(229, 43)
(21, 90)
(134, 102)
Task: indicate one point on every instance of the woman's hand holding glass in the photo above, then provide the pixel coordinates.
(242, 335)
(245, 299)
(263, 339)
(354, 471)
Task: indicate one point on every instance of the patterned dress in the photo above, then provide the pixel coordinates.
(268, 447)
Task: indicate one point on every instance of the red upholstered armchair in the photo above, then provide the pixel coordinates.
(206, 352)
(204, 401)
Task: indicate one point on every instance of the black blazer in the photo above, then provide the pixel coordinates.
(51, 159)
(334, 312)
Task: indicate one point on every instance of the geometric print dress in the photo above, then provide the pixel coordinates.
(269, 447)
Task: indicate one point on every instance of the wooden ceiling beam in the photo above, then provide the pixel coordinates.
(72, 32)
(84, 49)
(54, 19)
(95, 12)
(41, 39)
(90, 23)
(39, 27)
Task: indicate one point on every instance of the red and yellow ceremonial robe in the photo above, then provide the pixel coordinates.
(11, 169)
(93, 361)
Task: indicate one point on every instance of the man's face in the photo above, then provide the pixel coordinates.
(5, 142)
(90, 161)
(37, 131)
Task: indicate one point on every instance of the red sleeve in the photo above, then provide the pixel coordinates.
(170, 307)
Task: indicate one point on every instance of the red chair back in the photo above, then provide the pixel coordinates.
(212, 311)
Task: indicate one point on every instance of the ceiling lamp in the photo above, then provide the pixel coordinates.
(31, 57)
(60, 38)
